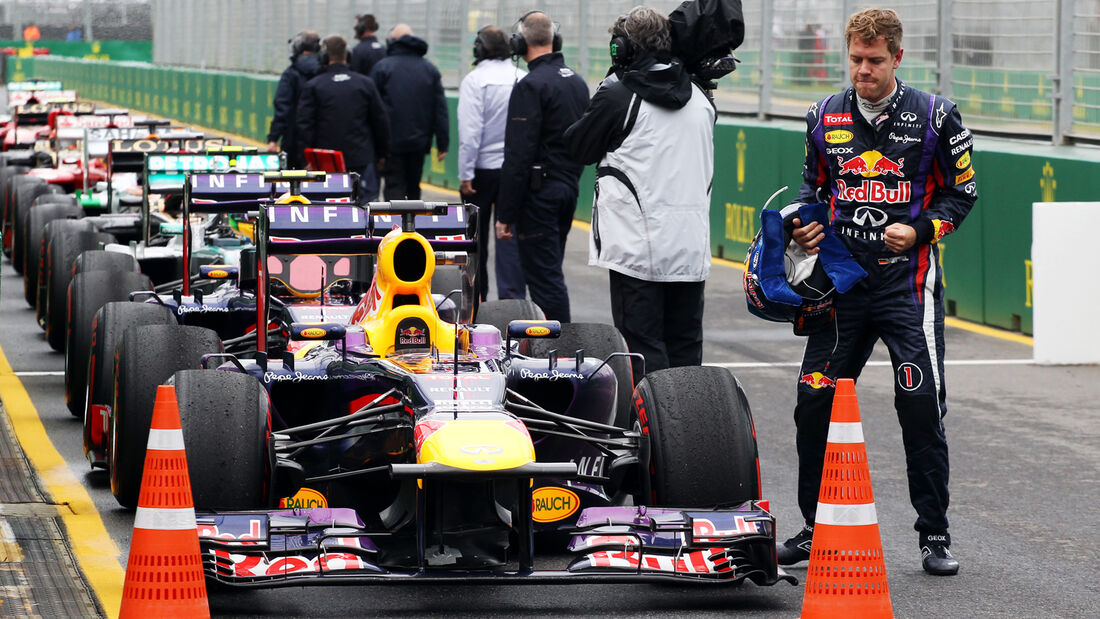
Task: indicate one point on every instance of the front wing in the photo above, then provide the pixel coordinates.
(609, 544)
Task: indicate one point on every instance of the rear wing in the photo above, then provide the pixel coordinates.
(71, 128)
(33, 85)
(39, 113)
(166, 172)
(29, 97)
(348, 229)
(128, 155)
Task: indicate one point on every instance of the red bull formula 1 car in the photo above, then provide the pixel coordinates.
(400, 446)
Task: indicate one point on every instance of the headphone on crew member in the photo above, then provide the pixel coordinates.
(519, 44)
(303, 42)
(621, 49)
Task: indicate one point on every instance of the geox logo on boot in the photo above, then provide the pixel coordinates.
(936, 538)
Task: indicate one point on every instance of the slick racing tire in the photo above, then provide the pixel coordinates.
(46, 209)
(500, 313)
(103, 260)
(24, 189)
(29, 196)
(225, 431)
(108, 326)
(701, 442)
(7, 174)
(598, 341)
(87, 293)
(62, 250)
(146, 357)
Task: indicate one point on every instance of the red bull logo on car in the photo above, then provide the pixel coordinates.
(413, 336)
(817, 380)
(871, 163)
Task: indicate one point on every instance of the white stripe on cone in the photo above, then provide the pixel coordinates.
(166, 440)
(844, 432)
(163, 519)
(846, 515)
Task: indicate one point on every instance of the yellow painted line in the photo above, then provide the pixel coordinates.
(440, 189)
(1001, 334)
(95, 551)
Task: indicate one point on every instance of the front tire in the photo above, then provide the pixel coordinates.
(225, 430)
(88, 292)
(145, 358)
(702, 444)
(108, 325)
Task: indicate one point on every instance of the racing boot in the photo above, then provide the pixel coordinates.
(797, 548)
(935, 552)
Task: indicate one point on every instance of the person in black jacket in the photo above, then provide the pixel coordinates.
(369, 51)
(342, 110)
(538, 181)
(412, 89)
(303, 66)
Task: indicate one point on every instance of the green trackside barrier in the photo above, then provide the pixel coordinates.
(986, 264)
(136, 51)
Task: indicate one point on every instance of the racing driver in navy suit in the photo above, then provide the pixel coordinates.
(893, 163)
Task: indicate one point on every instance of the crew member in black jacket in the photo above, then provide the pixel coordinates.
(342, 110)
(412, 89)
(538, 181)
(303, 66)
(369, 51)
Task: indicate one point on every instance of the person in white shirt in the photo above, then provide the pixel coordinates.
(482, 117)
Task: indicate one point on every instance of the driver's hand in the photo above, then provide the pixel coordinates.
(808, 236)
(899, 237)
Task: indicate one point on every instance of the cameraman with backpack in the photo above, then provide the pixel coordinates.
(648, 124)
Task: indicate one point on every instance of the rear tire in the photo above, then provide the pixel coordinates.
(598, 341)
(103, 260)
(41, 214)
(108, 325)
(87, 293)
(18, 205)
(62, 251)
(226, 438)
(702, 445)
(500, 313)
(23, 203)
(146, 357)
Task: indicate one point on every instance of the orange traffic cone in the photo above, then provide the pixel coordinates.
(846, 576)
(164, 573)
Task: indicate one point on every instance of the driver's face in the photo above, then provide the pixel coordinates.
(871, 67)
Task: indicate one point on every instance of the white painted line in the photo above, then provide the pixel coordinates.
(733, 365)
(27, 373)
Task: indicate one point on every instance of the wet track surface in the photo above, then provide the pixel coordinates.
(1025, 450)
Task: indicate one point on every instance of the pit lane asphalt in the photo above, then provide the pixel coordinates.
(1025, 452)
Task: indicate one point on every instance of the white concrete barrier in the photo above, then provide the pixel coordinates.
(1065, 282)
